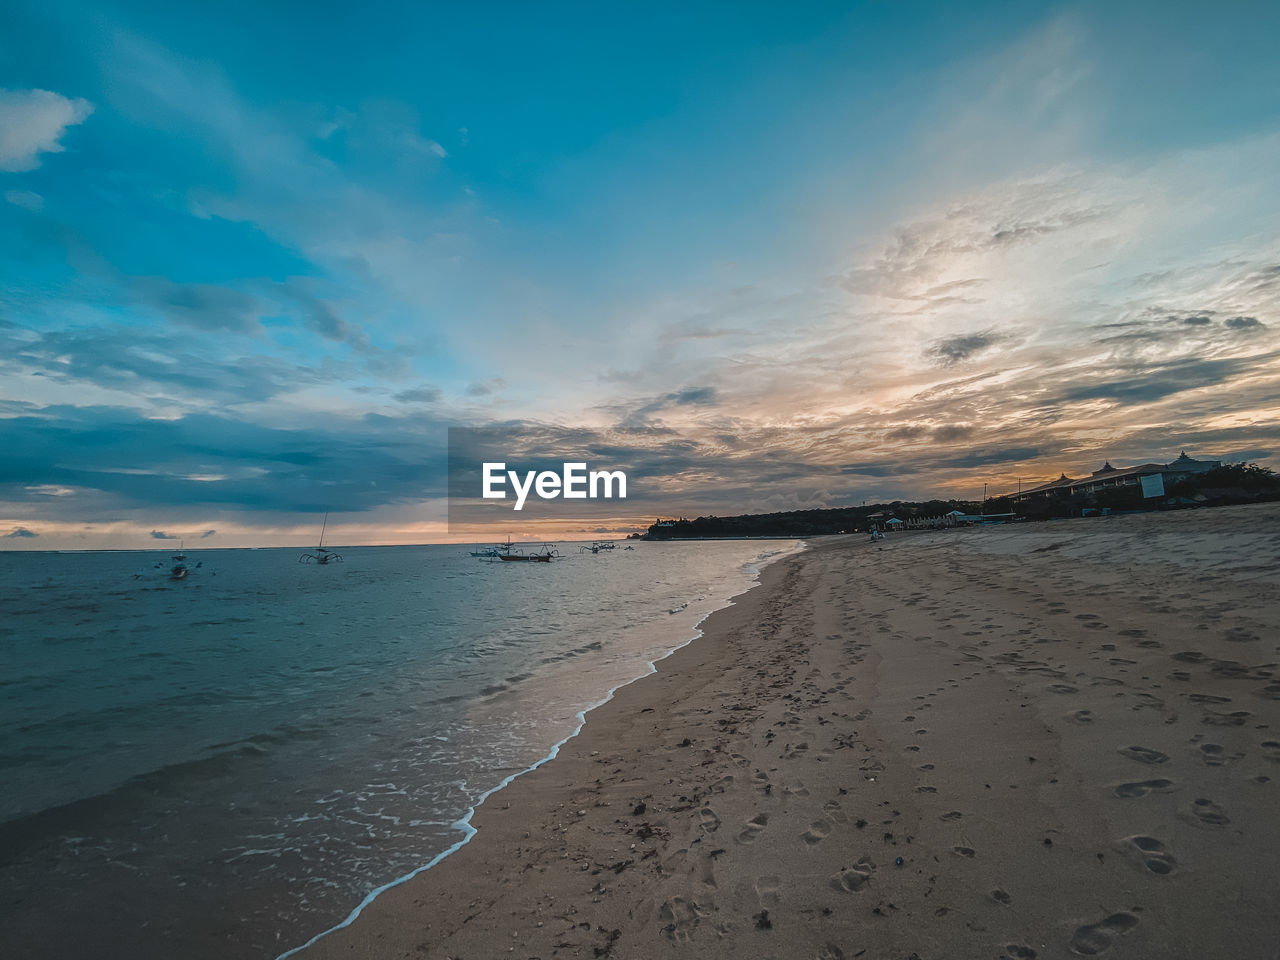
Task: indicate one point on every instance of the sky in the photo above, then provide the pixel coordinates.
(257, 259)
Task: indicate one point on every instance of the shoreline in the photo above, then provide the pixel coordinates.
(1019, 743)
(465, 823)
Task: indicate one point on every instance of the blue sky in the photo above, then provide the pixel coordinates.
(257, 258)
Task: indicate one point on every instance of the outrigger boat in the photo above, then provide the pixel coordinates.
(321, 556)
(597, 546)
(511, 553)
(180, 569)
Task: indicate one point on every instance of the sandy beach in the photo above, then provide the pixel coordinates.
(1038, 740)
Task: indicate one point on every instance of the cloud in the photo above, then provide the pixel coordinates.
(25, 199)
(198, 305)
(953, 350)
(32, 122)
(21, 533)
(119, 458)
(1243, 323)
(323, 319)
(423, 394)
(486, 388)
(189, 367)
(636, 416)
(207, 534)
(161, 535)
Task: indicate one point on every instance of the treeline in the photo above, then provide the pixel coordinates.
(803, 523)
(1229, 484)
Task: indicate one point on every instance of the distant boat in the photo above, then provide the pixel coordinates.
(321, 556)
(180, 570)
(511, 553)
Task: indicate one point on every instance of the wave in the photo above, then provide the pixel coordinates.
(463, 824)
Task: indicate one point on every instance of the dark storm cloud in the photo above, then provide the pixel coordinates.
(1141, 384)
(131, 360)
(161, 535)
(953, 350)
(322, 318)
(203, 306)
(909, 432)
(1245, 456)
(951, 432)
(21, 533)
(988, 458)
(419, 395)
(877, 469)
(207, 534)
(209, 459)
(636, 416)
(485, 388)
(1244, 323)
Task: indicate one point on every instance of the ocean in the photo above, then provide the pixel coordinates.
(229, 765)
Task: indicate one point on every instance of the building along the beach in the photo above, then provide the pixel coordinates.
(1108, 477)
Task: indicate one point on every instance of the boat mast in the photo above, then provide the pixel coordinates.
(322, 526)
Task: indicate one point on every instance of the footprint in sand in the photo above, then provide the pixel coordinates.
(681, 917)
(1142, 787)
(1150, 853)
(853, 879)
(723, 784)
(795, 788)
(833, 810)
(1144, 754)
(1271, 749)
(1019, 952)
(710, 822)
(966, 852)
(1207, 813)
(1062, 688)
(818, 831)
(1094, 938)
(767, 890)
(753, 828)
(1081, 716)
(1240, 635)
(1236, 719)
(1001, 897)
(1207, 698)
(951, 815)
(1213, 754)
(830, 951)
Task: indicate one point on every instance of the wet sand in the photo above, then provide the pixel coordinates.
(1040, 740)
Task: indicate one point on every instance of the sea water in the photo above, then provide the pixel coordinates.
(227, 765)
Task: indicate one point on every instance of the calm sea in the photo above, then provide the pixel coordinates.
(225, 766)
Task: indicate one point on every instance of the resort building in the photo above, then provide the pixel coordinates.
(1107, 477)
